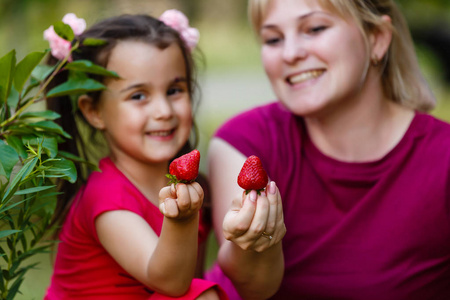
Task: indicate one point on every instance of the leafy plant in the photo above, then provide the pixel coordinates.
(30, 161)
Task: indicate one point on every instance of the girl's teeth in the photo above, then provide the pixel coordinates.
(160, 133)
(304, 76)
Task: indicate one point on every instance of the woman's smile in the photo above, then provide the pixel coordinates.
(304, 76)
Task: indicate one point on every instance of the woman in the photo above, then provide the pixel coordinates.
(362, 170)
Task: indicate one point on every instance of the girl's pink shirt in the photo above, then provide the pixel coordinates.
(83, 269)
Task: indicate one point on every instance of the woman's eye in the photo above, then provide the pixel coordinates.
(316, 29)
(138, 96)
(271, 41)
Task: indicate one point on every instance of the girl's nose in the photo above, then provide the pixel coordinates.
(161, 107)
(294, 50)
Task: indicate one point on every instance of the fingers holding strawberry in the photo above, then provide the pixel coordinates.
(189, 198)
(256, 222)
(181, 201)
(275, 228)
(184, 197)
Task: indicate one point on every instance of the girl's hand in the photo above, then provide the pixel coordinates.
(256, 222)
(181, 201)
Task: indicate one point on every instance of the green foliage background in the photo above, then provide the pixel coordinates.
(230, 52)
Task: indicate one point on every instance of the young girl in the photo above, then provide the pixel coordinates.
(114, 242)
(362, 169)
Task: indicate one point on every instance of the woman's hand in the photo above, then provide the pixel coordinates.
(181, 201)
(255, 222)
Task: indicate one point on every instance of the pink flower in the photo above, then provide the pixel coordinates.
(60, 48)
(78, 25)
(191, 37)
(178, 21)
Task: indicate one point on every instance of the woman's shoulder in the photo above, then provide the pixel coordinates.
(264, 130)
(268, 110)
(258, 118)
(432, 126)
(434, 134)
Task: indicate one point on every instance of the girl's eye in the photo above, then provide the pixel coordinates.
(138, 96)
(174, 90)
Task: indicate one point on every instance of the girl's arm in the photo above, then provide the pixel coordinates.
(165, 264)
(254, 263)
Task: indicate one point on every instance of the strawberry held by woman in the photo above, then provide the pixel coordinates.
(252, 175)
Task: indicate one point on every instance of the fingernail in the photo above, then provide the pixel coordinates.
(162, 207)
(272, 187)
(253, 195)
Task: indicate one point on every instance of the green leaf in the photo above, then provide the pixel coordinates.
(92, 42)
(41, 72)
(64, 31)
(89, 67)
(50, 126)
(23, 173)
(49, 144)
(33, 84)
(61, 168)
(8, 159)
(5, 233)
(76, 86)
(13, 98)
(7, 65)
(24, 69)
(33, 190)
(17, 144)
(9, 207)
(46, 114)
(14, 288)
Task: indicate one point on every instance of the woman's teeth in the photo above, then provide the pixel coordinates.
(304, 76)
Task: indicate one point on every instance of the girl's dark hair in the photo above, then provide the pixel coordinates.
(112, 30)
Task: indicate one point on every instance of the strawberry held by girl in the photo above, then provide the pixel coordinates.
(185, 168)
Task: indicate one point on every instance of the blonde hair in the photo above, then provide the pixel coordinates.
(402, 78)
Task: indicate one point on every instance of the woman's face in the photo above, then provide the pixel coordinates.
(315, 60)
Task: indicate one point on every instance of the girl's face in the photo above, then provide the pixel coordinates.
(146, 114)
(314, 59)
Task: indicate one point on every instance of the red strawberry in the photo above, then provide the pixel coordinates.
(184, 168)
(252, 175)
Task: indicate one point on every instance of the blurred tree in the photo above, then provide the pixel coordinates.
(430, 27)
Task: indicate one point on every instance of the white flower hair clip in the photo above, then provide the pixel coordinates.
(60, 47)
(178, 21)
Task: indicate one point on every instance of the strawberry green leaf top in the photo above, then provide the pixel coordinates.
(252, 175)
(184, 169)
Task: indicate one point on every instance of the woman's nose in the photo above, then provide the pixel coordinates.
(294, 50)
